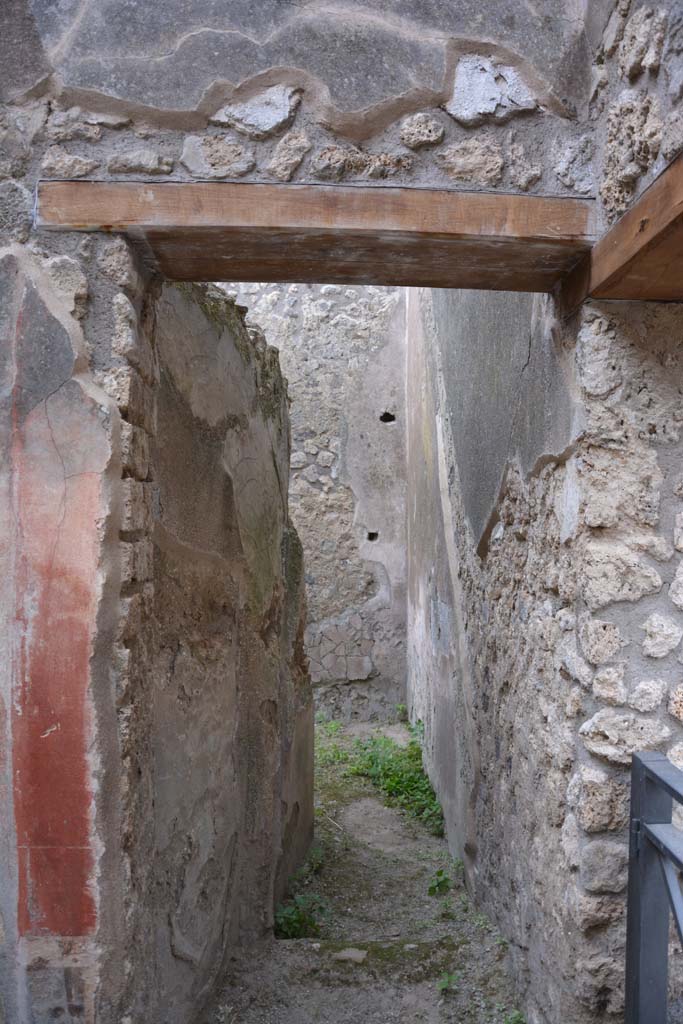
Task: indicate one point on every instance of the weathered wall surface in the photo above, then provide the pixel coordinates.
(561, 599)
(156, 707)
(462, 97)
(57, 474)
(217, 707)
(343, 353)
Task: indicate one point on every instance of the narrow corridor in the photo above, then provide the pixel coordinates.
(391, 936)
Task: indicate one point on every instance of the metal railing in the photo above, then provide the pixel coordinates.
(655, 858)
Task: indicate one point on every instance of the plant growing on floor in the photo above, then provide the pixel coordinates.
(402, 712)
(440, 883)
(448, 983)
(515, 1018)
(300, 917)
(397, 771)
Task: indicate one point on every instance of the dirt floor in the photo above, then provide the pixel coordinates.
(385, 950)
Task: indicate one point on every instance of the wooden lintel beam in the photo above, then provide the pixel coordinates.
(376, 235)
(641, 256)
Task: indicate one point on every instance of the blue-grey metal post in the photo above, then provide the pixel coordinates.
(647, 932)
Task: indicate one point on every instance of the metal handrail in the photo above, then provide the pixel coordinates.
(654, 888)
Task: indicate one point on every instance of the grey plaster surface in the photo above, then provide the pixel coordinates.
(507, 393)
(364, 54)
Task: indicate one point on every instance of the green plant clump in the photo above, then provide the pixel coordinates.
(397, 771)
(299, 917)
(448, 983)
(439, 884)
(515, 1018)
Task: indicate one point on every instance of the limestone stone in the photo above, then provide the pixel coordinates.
(573, 664)
(643, 41)
(672, 134)
(647, 695)
(57, 163)
(600, 801)
(65, 125)
(678, 531)
(15, 211)
(137, 507)
(604, 866)
(335, 162)
(634, 133)
(67, 275)
(624, 487)
(523, 172)
(298, 460)
(676, 588)
(600, 640)
(662, 635)
(611, 572)
(675, 755)
(134, 451)
(609, 686)
(262, 115)
(420, 130)
(476, 161)
(599, 370)
(130, 342)
(140, 161)
(486, 91)
(215, 157)
(117, 263)
(591, 911)
(288, 155)
(676, 703)
(616, 735)
(574, 165)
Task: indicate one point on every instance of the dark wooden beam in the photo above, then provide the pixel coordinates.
(641, 256)
(210, 231)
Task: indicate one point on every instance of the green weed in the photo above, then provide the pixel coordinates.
(439, 884)
(300, 917)
(397, 771)
(515, 1018)
(448, 983)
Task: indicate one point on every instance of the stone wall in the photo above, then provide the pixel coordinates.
(342, 351)
(461, 98)
(544, 607)
(217, 740)
(156, 706)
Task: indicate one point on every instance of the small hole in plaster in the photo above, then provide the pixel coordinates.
(388, 417)
(372, 535)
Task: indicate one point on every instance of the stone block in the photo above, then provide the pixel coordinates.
(134, 451)
(600, 802)
(609, 686)
(662, 635)
(647, 695)
(604, 866)
(611, 572)
(288, 155)
(262, 115)
(137, 516)
(211, 156)
(140, 161)
(486, 91)
(616, 735)
(421, 130)
(15, 211)
(57, 163)
(600, 640)
(473, 161)
(129, 341)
